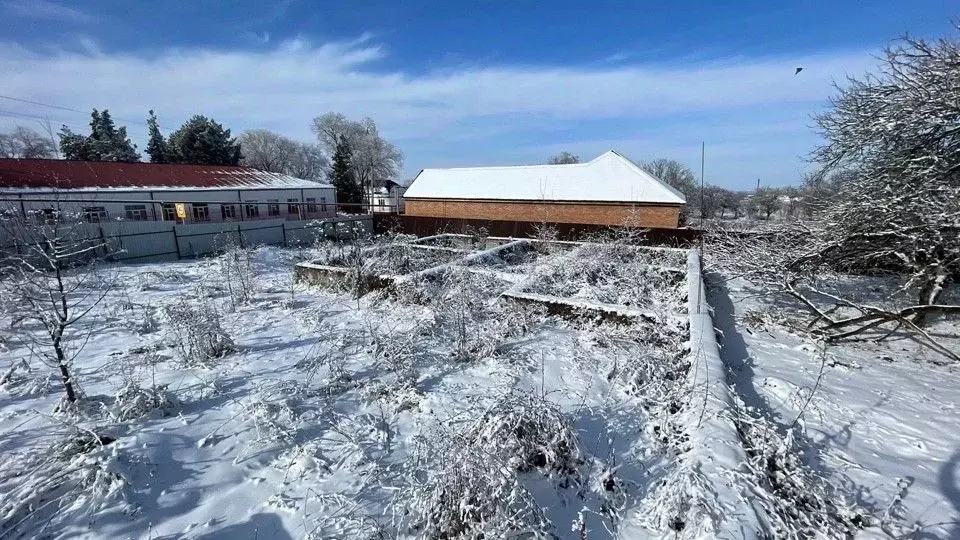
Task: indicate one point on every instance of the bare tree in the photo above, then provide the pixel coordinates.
(679, 177)
(564, 158)
(50, 276)
(374, 159)
(268, 151)
(24, 142)
(896, 134)
(766, 201)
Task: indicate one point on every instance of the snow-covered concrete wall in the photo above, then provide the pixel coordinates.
(717, 450)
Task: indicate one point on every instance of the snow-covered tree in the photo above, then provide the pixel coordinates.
(24, 142)
(564, 158)
(679, 177)
(348, 190)
(268, 151)
(374, 159)
(157, 145)
(51, 277)
(203, 141)
(106, 142)
(896, 134)
(766, 201)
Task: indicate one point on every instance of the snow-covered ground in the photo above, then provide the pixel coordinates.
(883, 425)
(336, 418)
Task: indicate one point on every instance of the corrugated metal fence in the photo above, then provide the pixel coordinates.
(146, 241)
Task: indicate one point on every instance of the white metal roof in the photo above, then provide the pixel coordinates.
(609, 177)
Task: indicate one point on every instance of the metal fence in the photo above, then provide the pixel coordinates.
(147, 241)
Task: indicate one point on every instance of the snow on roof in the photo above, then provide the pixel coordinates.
(609, 177)
(87, 175)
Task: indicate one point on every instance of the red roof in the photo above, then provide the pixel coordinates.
(63, 174)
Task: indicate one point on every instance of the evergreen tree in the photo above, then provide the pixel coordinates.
(341, 175)
(202, 141)
(106, 142)
(156, 146)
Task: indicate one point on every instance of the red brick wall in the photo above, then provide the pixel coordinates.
(646, 215)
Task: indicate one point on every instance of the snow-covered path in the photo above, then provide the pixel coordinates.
(883, 423)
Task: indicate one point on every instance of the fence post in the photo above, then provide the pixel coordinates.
(239, 236)
(103, 241)
(283, 227)
(176, 240)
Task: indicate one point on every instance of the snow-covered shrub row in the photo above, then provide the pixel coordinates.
(196, 333)
(797, 502)
(615, 274)
(46, 488)
(467, 309)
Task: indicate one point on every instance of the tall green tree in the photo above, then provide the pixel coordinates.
(342, 177)
(106, 142)
(203, 141)
(156, 146)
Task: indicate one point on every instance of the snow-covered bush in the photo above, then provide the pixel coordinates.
(798, 502)
(133, 401)
(616, 274)
(545, 234)
(22, 380)
(459, 490)
(527, 432)
(469, 312)
(236, 272)
(395, 349)
(49, 487)
(196, 333)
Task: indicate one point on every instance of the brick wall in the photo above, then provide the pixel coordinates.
(646, 215)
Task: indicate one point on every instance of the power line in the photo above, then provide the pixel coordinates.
(62, 108)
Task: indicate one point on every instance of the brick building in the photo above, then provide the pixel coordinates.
(608, 190)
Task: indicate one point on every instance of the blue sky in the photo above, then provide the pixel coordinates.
(467, 83)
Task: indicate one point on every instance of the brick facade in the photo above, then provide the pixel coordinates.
(592, 213)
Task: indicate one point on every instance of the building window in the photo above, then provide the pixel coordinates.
(273, 208)
(323, 204)
(168, 212)
(47, 216)
(228, 212)
(311, 205)
(135, 212)
(292, 207)
(201, 212)
(252, 209)
(95, 214)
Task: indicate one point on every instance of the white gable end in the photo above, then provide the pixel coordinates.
(609, 177)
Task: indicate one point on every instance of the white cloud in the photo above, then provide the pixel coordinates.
(284, 87)
(45, 10)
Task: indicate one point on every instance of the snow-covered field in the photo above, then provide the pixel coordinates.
(882, 427)
(222, 400)
(261, 409)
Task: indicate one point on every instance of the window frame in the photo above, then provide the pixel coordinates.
(200, 212)
(100, 212)
(226, 215)
(136, 212)
(251, 209)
